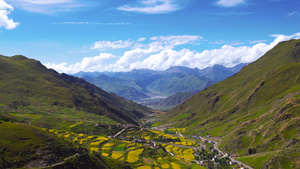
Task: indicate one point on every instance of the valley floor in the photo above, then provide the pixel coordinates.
(145, 148)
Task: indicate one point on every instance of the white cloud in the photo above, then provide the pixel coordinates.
(159, 55)
(218, 42)
(177, 40)
(91, 23)
(5, 10)
(46, 2)
(151, 6)
(158, 43)
(141, 39)
(230, 3)
(89, 64)
(295, 13)
(104, 45)
(257, 41)
(49, 6)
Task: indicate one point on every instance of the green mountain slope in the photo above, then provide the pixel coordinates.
(131, 108)
(256, 113)
(29, 91)
(127, 89)
(26, 146)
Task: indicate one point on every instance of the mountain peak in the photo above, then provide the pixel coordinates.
(180, 69)
(18, 57)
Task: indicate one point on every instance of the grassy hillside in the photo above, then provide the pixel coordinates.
(256, 113)
(31, 92)
(127, 89)
(131, 108)
(23, 145)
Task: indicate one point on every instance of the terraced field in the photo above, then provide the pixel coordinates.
(139, 155)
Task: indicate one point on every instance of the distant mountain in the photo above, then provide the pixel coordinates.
(139, 85)
(169, 102)
(178, 79)
(127, 89)
(254, 114)
(218, 73)
(46, 97)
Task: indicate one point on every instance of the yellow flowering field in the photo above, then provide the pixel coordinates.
(95, 143)
(168, 148)
(80, 135)
(165, 166)
(175, 166)
(187, 154)
(107, 146)
(117, 154)
(77, 123)
(82, 140)
(102, 138)
(105, 154)
(144, 167)
(66, 135)
(94, 149)
(147, 138)
(133, 156)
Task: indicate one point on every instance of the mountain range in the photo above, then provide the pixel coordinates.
(254, 114)
(141, 85)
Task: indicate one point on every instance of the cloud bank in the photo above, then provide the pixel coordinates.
(5, 10)
(161, 54)
(151, 6)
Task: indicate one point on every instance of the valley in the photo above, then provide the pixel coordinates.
(147, 148)
(249, 120)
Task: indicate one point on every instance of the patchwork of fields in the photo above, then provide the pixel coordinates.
(141, 155)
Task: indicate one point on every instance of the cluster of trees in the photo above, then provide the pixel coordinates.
(222, 161)
(207, 156)
(169, 132)
(147, 125)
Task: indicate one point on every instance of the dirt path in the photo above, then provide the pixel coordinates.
(119, 133)
(62, 162)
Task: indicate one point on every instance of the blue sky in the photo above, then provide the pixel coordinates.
(121, 35)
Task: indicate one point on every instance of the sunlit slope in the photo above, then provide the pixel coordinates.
(26, 86)
(26, 146)
(255, 111)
